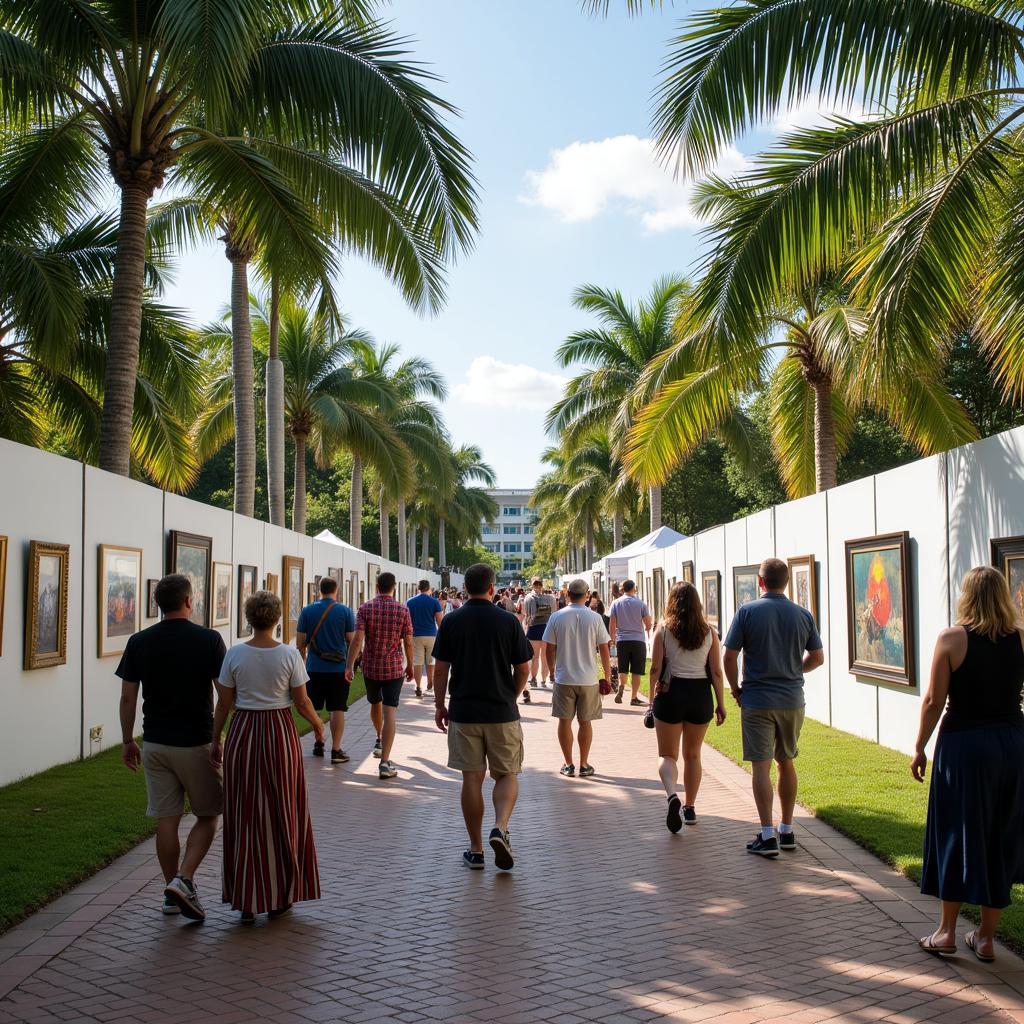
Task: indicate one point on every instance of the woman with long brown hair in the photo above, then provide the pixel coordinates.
(974, 838)
(688, 649)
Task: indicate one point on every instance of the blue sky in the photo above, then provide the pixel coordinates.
(556, 109)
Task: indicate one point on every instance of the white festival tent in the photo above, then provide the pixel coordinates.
(614, 568)
(333, 538)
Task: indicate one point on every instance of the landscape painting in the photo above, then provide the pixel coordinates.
(293, 571)
(1008, 557)
(803, 587)
(221, 594)
(879, 608)
(192, 556)
(711, 595)
(246, 588)
(119, 606)
(46, 614)
(745, 587)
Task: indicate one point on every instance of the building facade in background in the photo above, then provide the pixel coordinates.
(510, 534)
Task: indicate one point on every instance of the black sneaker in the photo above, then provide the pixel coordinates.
(169, 908)
(586, 770)
(419, 692)
(318, 749)
(690, 815)
(636, 702)
(378, 750)
(533, 684)
(474, 861)
(339, 757)
(618, 695)
(764, 847)
(568, 770)
(673, 821)
(502, 848)
(787, 841)
(183, 892)
(526, 697)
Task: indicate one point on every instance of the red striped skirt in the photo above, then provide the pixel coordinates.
(269, 854)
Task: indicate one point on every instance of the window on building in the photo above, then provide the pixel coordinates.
(511, 531)
(512, 565)
(496, 548)
(512, 510)
(513, 547)
(489, 528)
(527, 530)
(527, 548)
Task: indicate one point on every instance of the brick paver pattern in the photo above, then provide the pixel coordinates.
(606, 916)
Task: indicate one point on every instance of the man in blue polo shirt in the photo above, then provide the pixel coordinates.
(322, 636)
(425, 611)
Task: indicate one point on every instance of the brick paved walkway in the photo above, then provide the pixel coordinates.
(606, 917)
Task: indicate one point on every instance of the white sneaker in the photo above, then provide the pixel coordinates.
(377, 748)
(183, 892)
(387, 770)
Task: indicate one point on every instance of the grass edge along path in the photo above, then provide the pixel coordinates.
(865, 791)
(61, 826)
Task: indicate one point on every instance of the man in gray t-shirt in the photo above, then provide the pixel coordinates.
(780, 642)
(629, 622)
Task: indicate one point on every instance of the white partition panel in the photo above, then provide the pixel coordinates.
(735, 554)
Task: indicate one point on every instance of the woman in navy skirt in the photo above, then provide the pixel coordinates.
(974, 839)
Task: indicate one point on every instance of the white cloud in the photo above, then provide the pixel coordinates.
(493, 383)
(812, 111)
(585, 179)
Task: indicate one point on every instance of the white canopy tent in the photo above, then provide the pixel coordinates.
(614, 568)
(333, 538)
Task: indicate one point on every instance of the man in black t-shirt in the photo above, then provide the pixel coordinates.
(485, 650)
(176, 663)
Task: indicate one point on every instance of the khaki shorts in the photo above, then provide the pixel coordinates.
(771, 734)
(423, 650)
(171, 772)
(581, 702)
(497, 746)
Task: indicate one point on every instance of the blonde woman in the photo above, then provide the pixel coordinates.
(683, 704)
(974, 839)
(269, 854)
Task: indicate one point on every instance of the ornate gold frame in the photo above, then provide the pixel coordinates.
(37, 549)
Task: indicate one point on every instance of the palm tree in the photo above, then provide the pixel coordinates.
(219, 105)
(610, 392)
(466, 505)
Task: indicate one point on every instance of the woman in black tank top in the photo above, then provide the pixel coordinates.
(974, 838)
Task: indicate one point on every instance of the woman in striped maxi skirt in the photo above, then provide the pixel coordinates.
(269, 853)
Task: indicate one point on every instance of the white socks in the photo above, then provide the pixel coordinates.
(767, 832)
(784, 828)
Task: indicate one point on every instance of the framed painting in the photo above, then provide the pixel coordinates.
(152, 608)
(3, 587)
(119, 610)
(311, 591)
(711, 595)
(1008, 558)
(658, 585)
(246, 588)
(221, 594)
(192, 556)
(879, 608)
(270, 583)
(745, 587)
(372, 572)
(293, 571)
(46, 611)
(803, 583)
(687, 572)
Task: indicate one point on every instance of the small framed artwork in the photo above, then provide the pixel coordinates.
(246, 588)
(192, 556)
(372, 572)
(3, 587)
(46, 612)
(687, 572)
(1008, 558)
(270, 583)
(119, 607)
(711, 595)
(311, 592)
(293, 572)
(221, 594)
(335, 575)
(879, 608)
(803, 583)
(152, 608)
(745, 587)
(658, 586)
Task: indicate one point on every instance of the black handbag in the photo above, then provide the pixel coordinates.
(663, 677)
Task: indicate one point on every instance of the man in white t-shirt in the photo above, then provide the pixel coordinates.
(572, 636)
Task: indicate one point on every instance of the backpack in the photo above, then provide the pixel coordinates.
(541, 611)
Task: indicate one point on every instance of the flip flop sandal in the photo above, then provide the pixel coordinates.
(983, 957)
(929, 947)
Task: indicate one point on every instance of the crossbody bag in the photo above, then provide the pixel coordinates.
(334, 656)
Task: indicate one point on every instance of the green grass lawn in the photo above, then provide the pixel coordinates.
(61, 826)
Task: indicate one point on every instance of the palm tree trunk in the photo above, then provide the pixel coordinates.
(617, 531)
(385, 527)
(441, 553)
(403, 546)
(824, 434)
(355, 509)
(243, 384)
(299, 498)
(654, 496)
(425, 553)
(125, 328)
(588, 549)
(412, 546)
(275, 412)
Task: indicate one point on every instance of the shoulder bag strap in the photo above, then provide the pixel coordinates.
(316, 628)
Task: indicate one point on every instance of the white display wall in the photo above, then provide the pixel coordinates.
(49, 713)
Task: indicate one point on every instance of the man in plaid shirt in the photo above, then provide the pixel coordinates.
(383, 634)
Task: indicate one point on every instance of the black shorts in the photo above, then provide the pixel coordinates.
(328, 689)
(632, 657)
(384, 692)
(688, 700)
(536, 632)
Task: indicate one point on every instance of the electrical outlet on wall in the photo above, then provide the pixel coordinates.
(96, 734)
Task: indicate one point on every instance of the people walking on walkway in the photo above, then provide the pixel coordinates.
(780, 642)
(269, 853)
(487, 656)
(630, 623)
(426, 611)
(323, 633)
(538, 607)
(571, 638)
(383, 635)
(689, 690)
(974, 837)
(175, 662)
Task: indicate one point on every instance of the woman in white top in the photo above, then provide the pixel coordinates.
(687, 648)
(269, 854)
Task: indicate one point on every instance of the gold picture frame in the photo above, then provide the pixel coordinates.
(270, 583)
(119, 600)
(220, 594)
(293, 572)
(803, 583)
(46, 605)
